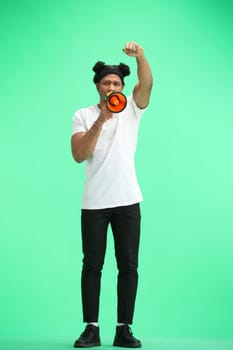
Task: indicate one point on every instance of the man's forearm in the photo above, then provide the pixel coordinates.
(145, 78)
(142, 89)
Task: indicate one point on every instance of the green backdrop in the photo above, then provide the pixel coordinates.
(184, 164)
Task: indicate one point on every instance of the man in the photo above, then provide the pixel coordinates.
(107, 142)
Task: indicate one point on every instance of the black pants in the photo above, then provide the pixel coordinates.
(125, 224)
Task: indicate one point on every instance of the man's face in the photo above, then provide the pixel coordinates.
(109, 83)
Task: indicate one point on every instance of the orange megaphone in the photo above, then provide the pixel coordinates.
(115, 101)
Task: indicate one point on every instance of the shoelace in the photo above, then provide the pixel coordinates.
(129, 330)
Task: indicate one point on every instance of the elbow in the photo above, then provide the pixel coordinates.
(149, 85)
(78, 160)
(78, 157)
(80, 154)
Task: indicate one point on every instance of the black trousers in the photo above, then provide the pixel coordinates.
(125, 225)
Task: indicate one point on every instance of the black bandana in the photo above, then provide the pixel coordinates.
(101, 69)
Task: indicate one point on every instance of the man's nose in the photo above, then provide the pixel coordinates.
(111, 87)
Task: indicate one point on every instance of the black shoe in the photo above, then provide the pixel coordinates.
(124, 338)
(90, 337)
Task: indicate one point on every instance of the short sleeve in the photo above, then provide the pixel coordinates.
(138, 111)
(78, 124)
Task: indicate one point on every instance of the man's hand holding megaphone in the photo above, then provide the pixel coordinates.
(105, 114)
(115, 102)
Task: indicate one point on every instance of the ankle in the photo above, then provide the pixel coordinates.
(93, 324)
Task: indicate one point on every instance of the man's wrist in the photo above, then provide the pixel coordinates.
(96, 127)
(100, 121)
(141, 56)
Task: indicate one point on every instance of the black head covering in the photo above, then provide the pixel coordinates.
(101, 69)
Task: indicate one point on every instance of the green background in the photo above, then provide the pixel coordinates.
(184, 164)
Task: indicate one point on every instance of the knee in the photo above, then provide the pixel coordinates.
(92, 263)
(127, 264)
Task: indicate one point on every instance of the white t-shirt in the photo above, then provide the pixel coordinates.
(110, 172)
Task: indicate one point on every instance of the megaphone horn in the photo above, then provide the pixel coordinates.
(115, 101)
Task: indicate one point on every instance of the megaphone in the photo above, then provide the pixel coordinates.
(115, 101)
